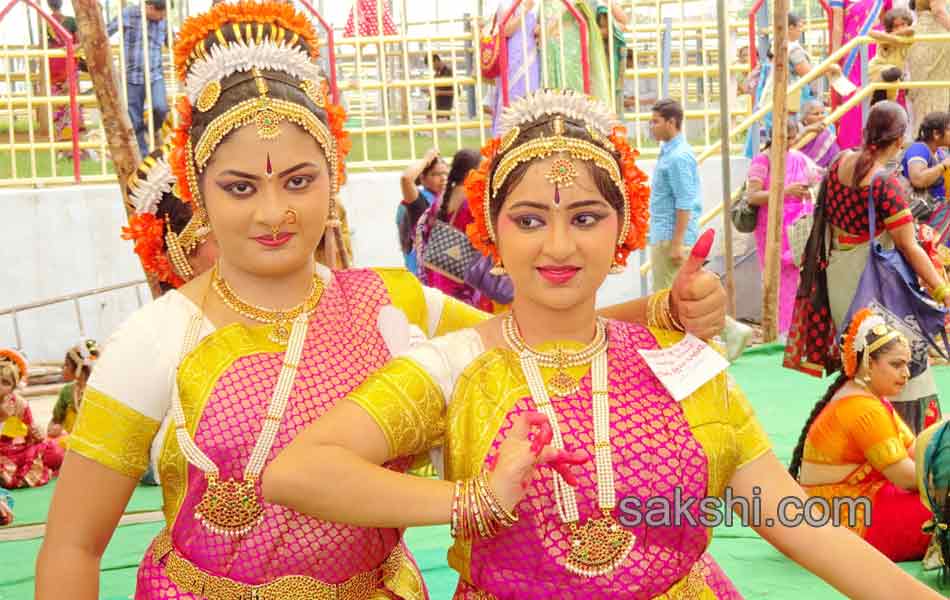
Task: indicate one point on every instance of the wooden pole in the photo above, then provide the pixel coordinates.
(773, 243)
(725, 121)
(115, 118)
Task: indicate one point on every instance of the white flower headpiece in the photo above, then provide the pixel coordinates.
(236, 56)
(867, 326)
(145, 193)
(569, 103)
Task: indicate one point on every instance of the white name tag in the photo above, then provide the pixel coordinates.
(843, 85)
(684, 367)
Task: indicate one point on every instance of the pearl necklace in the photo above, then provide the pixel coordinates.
(562, 384)
(233, 507)
(600, 544)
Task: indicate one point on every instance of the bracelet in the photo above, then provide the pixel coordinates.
(660, 314)
(476, 510)
(941, 291)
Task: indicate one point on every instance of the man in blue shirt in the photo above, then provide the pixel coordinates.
(676, 203)
(675, 197)
(135, 67)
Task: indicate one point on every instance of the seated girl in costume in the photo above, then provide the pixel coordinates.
(553, 428)
(855, 445)
(78, 363)
(932, 459)
(27, 458)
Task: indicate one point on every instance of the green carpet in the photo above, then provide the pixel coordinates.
(32, 505)
(782, 400)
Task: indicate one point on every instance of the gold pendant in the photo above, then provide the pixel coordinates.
(598, 546)
(281, 332)
(229, 508)
(563, 384)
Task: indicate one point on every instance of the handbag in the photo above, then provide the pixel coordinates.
(489, 50)
(889, 287)
(922, 203)
(448, 251)
(798, 233)
(744, 215)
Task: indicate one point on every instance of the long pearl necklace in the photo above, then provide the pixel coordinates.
(233, 507)
(600, 544)
(562, 383)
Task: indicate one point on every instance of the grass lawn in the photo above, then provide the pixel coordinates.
(390, 151)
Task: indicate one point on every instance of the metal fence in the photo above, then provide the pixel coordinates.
(384, 74)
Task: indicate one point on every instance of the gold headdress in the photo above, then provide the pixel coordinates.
(864, 323)
(267, 43)
(607, 149)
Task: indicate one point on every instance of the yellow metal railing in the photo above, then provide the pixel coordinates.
(857, 98)
(387, 87)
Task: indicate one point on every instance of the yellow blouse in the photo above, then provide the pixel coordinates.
(125, 422)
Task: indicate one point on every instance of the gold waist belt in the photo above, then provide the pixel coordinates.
(190, 578)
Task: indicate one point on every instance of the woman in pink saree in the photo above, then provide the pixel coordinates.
(850, 19)
(800, 174)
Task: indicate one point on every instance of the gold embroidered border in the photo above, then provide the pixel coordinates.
(367, 585)
(886, 453)
(407, 405)
(112, 434)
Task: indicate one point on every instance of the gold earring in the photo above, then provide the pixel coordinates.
(617, 269)
(498, 270)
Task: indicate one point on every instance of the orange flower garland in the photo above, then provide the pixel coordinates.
(638, 194)
(147, 231)
(179, 157)
(476, 182)
(849, 354)
(336, 119)
(195, 29)
(17, 359)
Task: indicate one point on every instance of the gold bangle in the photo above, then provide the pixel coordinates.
(940, 292)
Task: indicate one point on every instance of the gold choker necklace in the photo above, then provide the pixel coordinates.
(280, 319)
(562, 384)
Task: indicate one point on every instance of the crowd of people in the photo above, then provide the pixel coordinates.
(284, 401)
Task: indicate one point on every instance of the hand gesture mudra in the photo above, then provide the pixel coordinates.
(525, 450)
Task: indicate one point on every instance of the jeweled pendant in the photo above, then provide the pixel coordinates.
(280, 334)
(563, 384)
(598, 547)
(229, 507)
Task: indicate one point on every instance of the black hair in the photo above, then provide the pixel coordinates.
(935, 122)
(55, 5)
(895, 14)
(794, 20)
(792, 130)
(795, 467)
(886, 124)
(463, 163)
(159, 4)
(670, 109)
(414, 211)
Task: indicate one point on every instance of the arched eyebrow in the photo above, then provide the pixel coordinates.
(572, 206)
